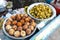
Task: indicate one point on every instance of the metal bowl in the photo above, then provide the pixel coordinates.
(12, 37)
(53, 10)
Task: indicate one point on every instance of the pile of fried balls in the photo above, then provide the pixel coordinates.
(20, 25)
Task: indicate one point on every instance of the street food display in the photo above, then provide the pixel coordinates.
(20, 25)
(24, 23)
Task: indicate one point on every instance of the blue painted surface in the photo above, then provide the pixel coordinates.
(45, 38)
(52, 32)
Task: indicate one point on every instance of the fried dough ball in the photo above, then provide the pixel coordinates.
(16, 33)
(22, 21)
(8, 27)
(11, 31)
(28, 31)
(31, 27)
(13, 17)
(14, 22)
(18, 17)
(14, 27)
(19, 24)
(25, 27)
(23, 18)
(33, 24)
(8, 22)
(23, 33)
(27, 23)
(19, 28)
(21, 15)
(27, 19)
(25, 15)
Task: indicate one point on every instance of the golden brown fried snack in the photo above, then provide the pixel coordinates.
(31, 27)
(28, 31)
(22, 21)
(14, 27)
(33, 24)
(25, 27)
(11, 31)
(19, 28)
(8, 22)
(27, 19)
(18, 17)
(23, 33)
(13, 17)
(27, 23)
(8, 27)
(23, 18)
(25, 15)
(19, 24)
(16, 33)
(14, 22)
(21, 15)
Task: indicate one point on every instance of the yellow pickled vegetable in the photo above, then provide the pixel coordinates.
(41, 11)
